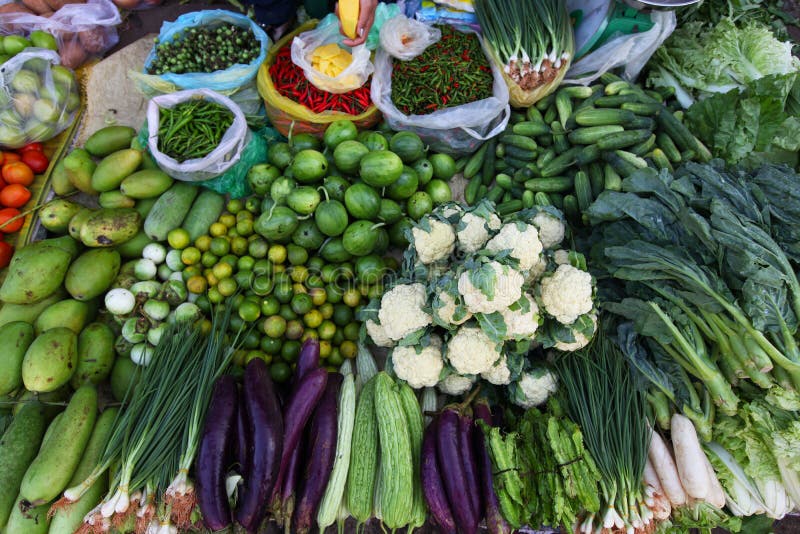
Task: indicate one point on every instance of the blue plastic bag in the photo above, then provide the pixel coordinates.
(237, 81)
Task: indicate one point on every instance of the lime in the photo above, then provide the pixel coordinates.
(244, 279)
(348, 349)
(217, 229)
(222, 270)
(296, 255)
(244, 228)
(351, 331)
(275, 326)
(317, 295)
(270, 305)
(342, 314)
(309, 334)
(277, 254)
(227, 287)
(290, 350)
(270, 345)
(335, 359)
(298, 273)
(203, 243)
(326, 310)
(287, 312)
(245, 263)
(208, 259)
(190, 256)
(227, 219)
(419, 204)
(294, 329)
(351, 297)
(214, 296)
(196, 284)
(325, 349)
(334, 293)
(314, 281)
(329, 273)
(326, 329)
(220, 246)
(178, 238)
(313, 319)
(262, 266)
(302, 304)
(338, 337)
(251, 340)
(283, 292)
(280, 372)
(234, 205)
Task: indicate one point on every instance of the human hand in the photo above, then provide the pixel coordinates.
(366, 17)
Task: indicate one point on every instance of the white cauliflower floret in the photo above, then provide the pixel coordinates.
(452, 209)
(561, 257)
(507, 284)
(580, 339)
(419, 369)
(536, 271)
(567, 294)
(401, 311)
(494, 222)
(474, 233)
(523, 242)
(551, 229)
(499, 374)
(447, 309)
(455, 385)
(534, 388)
(471, 352)
(378, 334)
(521, 324)
(435, 244)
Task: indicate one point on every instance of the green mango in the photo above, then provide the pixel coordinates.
(68, 313)
(133, 247)
(77, 221)
(116, 167)
(95, 355)
(80, 167)
(42, 39)
(50, 360)
(28, 312)
(110, 139)
(92, 273)
(53, 401)
(36, 271)
(115, 199)
(59, 180)
(15, 338)
(146, 184)
(108, 227)
(125, 376)
(56, 214)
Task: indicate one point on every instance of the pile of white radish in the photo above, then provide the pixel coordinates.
(682, 480)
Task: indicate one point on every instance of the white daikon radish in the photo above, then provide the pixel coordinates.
(667, 472)
(689, 458)
(716, 496)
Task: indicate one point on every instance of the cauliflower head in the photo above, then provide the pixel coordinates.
(521, 318)
(402, 310)
(471, 352)
(499, 374)
(473, 231)
(551, 229)
(433, 244)
(534, 388)
(378, 334)
(491, 287)
(455, 385)
(561, 257)
(420, 369)
(445, 307)
(522, 240)
(567, 294)
(536, 271)
(581, 337)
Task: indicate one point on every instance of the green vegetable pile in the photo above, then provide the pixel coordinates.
(205, 49)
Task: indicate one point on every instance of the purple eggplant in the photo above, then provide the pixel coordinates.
(454, 476)
(435, 496)
(211, 454)
(495, 522)
(307, 361)
(298, 410)
(265, 421)
(466, 438)
(322, 437)
(244, 441)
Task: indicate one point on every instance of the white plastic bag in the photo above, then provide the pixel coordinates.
(220, 159)
(460, 5)
(404, 38)
(457, 130)
(83, 31)
(38, 98)
(631, 51)
(354, 76)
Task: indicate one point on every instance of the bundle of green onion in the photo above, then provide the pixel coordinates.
(533, 39)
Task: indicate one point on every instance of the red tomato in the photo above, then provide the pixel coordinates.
(6, 214)
(37, 161)
(2, 183)
(36, 147)
(10, 157)
(17, 173)
(6, 251)
(14, 196)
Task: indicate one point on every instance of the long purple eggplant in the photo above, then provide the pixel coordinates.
(211, 454)
(454, 476)
(322, 437)
(435, 496)
(465, 435)
(244, 441)
(264, 418)
(495, 522)
(307, 361)
(297, 412)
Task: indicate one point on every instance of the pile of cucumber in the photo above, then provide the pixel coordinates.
(577, 142)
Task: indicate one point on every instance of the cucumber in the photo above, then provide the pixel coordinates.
(563, 106)
(600, 117)
(520, 153)
(169, 210)
(561, 163)
(589, 154)
(661, 160)
(507, 208)
(532, 114)
(560, 143)
(519, 141)
(541, 199)
(487, 168)
(592, 134)
(18, 448)
(583, 190)
(504, 181)
(53, 467)
(205, 210)
(624, 139)
(648, 109)
(555, 184)
(571, 209)
(67, 519)
(615, 101)
(614, 87)
(528, 199)
(475, 162)
(679, 133)
(666, 144)
(596, 178)
(471, 192)
(495, 194)
(611, 180)
(645, 146)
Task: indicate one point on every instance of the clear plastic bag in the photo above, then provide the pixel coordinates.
(227, 153)
(629, 51)
(404, 38)
(38, 98)
(354, 76)
(457, 130)
(237, 81)
(460, 5)
(83, 31)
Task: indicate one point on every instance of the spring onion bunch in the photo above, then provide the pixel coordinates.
(600, 395)
(155, 438)
(532, 39)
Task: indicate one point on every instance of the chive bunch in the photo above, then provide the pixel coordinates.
(192, 129)
(205, 49)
